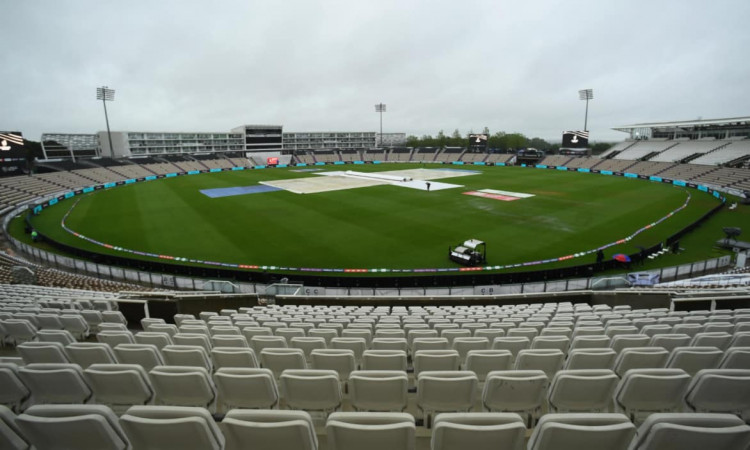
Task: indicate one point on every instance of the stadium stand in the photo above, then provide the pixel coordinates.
(727, 153)
(474, 157)
(696, 402)
(687, 148)
(449, 154)
(373, 154)
(350, 155)
(400, 155)
(642, 149)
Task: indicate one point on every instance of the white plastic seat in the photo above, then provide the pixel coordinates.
(290, 333)
(670, 341)
(693, 359)
(482, 362)
(390, 344)
(519, 391)
(223, 330)
(326, 334)
(115, 338)
(114, 317)
(640, 358)
(590, 358)
(589, 341)
(418, 334)
(311, 390)
(582, 390)
(81, 427)
(48, 322)
(736, 358)
(182, 386)
(574, 431)
(370, 431)
(147, 356)
(62, 336)
(681, 431)
(193, 339)
(651, 390)
(308, 344)
(119, 384)
(691, 329)
(513, 344)
(364, 333)
(489, 333)
(146, 322)
(93, 319)
(622, 341)
(280, 359)
(720, 390)
(432, 360)
(171, 428)
(240, 357)
(464, 344)
(229, 340)
(11, 437)
(246, 388)
(186, 355)
(384, 360)
(109, 326)
(378, 390)
(549, 360)
(160, 339)
(453, 334)
(357, 344)
(653, 329)
(260, 342)
(720, 340)
(341, 361)
(42, 353)
(445, 391)
(13, 392)
(553, 342)
(522, 331)
(269, 430)
(55, 383)
(478, 431)
(433, 343)
(168, 328)
(87, 353)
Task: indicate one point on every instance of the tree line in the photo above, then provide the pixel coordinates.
(500, 141)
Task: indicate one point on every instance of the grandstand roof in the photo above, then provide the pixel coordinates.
(685, 123)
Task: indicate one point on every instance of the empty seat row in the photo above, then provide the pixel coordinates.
(95, 427)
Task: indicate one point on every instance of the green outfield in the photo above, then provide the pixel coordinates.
(378, 226)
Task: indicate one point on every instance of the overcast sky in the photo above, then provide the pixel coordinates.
(309, 65)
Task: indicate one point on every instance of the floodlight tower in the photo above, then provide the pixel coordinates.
(586, 94)
(380, 108)
(105, 94)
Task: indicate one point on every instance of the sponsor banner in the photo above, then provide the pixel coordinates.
(504, 198)
(630, 175)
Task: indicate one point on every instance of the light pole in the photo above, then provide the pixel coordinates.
(586, 94)
(380, 108)
(106, 94)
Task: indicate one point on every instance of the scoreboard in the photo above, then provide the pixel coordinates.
(575, 139)
(478, 143)
(12, 153)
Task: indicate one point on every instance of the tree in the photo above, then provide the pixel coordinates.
(600, 147)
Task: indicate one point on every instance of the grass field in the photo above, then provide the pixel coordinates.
(380, 226)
